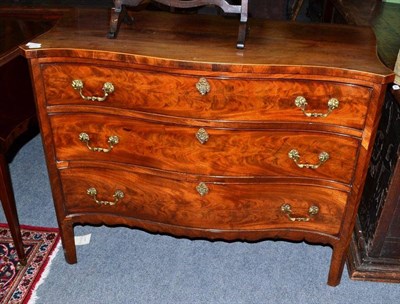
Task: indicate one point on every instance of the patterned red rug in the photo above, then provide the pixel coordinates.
(17, 284)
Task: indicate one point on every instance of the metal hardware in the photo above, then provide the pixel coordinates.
(301, 103)
(202, 189)
(202, 136)
(287, 209)
(112, 141)
(108, 88)
(203, 86)
(295, 156)
(118, 195)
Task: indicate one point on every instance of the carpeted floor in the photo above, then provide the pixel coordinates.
(120, 265)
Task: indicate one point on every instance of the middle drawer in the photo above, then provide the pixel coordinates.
(204, 151)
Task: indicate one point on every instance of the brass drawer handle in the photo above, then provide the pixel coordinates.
(108, 88)
(301, 103)
(118, 195)
(202, 136)
(287, 209)
(295, 156)
(202, 189)
(203, 86)
(112, 141)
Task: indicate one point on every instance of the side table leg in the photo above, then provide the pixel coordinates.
(10, 210)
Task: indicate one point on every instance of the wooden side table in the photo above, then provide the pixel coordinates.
(17, 109)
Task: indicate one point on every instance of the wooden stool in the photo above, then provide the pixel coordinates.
(17, 110)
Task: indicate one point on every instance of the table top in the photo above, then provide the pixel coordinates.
(18, 30)
(17, 107)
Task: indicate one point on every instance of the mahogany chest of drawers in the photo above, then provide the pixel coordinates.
(171, 129)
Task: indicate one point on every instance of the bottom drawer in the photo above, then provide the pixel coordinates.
(226, 206)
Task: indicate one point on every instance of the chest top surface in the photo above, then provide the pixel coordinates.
(176, 41)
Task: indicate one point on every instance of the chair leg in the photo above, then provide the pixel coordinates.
(10, 210)
(296, 9)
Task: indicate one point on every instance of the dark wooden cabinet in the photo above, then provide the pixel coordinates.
(375, 248)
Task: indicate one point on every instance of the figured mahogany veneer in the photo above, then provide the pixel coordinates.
(229, 152)
(198, 139)
(171, 200)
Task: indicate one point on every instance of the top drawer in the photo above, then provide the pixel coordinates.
(216, 98)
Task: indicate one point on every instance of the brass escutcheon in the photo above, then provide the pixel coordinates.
(301, 103)
(203, 86)
(202, 189)
(108, 88)
(202, 136)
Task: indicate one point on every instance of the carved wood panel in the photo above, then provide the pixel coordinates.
(374, 223)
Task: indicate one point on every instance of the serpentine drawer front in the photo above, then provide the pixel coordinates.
(233, 152)
(188, 136)
(171, 201)
(208, 95)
